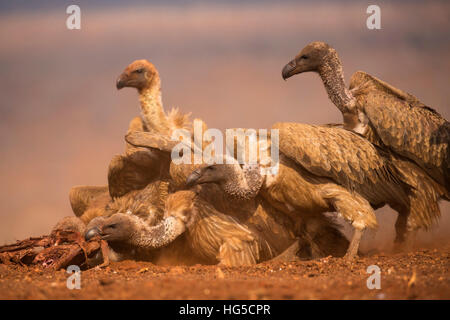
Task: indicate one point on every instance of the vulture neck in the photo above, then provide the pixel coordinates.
(152, 110)
(244, 183)
(165, 232)
(333, 79)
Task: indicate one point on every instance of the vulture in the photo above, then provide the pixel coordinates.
(321, 169)
(210, 236)
(387, 116)
(131, 172)
(142, 75)
(213, 236)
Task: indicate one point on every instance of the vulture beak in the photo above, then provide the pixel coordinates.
(91, 233)
(193, 178)
(289, 70)
(120, 83)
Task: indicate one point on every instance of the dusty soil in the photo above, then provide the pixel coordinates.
(420, 274)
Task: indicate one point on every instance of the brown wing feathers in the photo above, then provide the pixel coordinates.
(405, 125)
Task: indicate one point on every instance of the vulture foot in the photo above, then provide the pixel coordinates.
(407, 243)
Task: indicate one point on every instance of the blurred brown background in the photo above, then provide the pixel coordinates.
(61, 118)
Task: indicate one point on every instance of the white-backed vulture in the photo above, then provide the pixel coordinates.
(142, 75)
(321, 169)
(385, 115)
(215, 237)
(131, 171)
(212, 236)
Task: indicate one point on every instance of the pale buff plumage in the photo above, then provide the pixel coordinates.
(142, 75)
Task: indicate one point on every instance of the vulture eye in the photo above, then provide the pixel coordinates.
(139, 70)
(112, 226)
(304, 57)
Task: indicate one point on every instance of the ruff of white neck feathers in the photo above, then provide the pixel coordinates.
(333, 79)
(151, 237)
(152, 110)
(244, 183)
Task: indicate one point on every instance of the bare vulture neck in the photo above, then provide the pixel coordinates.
(244, 183)
(152, 110)
(333, 79)
(150, 237)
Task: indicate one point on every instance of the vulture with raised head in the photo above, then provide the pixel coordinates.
(385, 115)
(131, 171)
(142, 75)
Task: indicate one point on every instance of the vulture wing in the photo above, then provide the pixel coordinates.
(83, 198)
(343, 156)
(151, 140)
(165, 145)
(133, 171)
(405, 125)
(223, 237)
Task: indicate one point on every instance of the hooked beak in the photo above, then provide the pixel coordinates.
(193, 178)
(91, 233)
(289, 70)
(120, 83)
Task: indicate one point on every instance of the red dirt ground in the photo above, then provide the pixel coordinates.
(420, 274)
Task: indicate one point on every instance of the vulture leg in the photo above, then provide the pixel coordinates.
(400, 228)
(405, 238)
(352, 251)
(355, 209)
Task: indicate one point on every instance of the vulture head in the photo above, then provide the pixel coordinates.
(117, 227)
(239, 182)
(215, 173)
(311, 58)
(140, 74)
